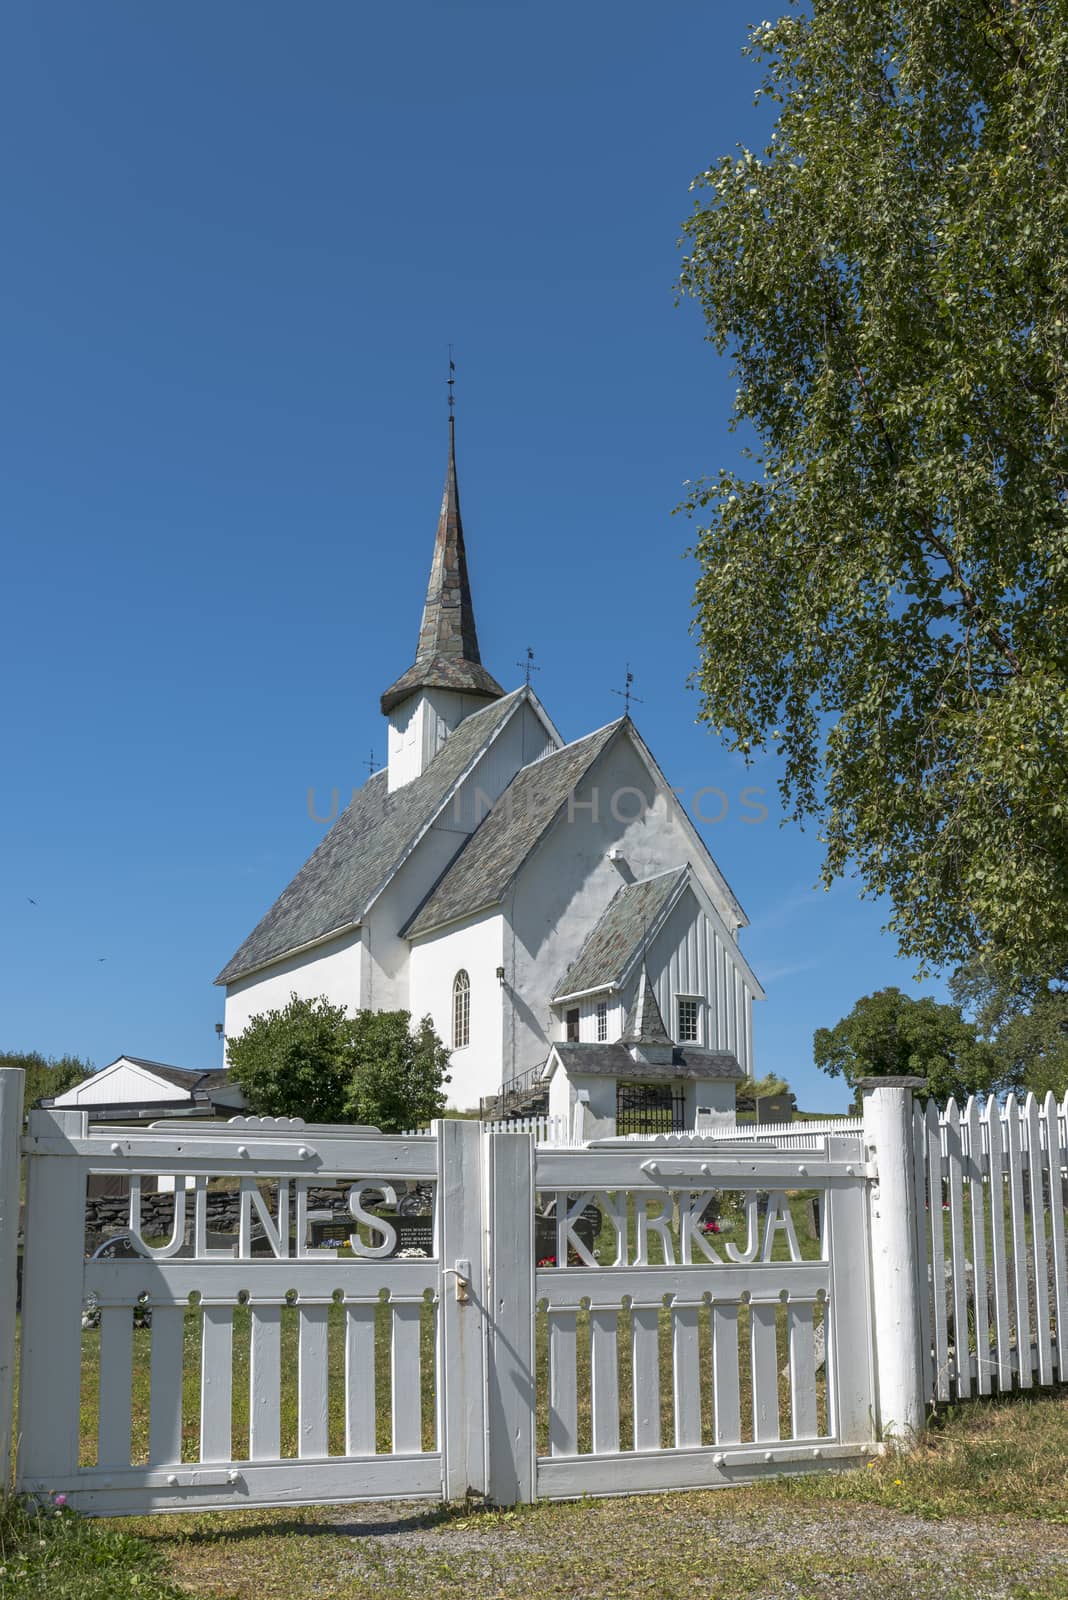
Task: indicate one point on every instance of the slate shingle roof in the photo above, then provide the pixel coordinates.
(182, 1077)
(645, 1025)
(616, 1061)
(447, 655)
(617, 936)
(479, 876)
(368, 840)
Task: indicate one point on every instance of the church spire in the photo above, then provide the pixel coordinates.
(447, 655)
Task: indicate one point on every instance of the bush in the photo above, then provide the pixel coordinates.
(312, 1060)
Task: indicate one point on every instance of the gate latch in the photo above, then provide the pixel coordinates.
(462, 1273)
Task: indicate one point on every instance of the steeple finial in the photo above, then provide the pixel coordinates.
(627, 694)
(447, 655)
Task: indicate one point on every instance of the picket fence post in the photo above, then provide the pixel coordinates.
(53, 1267)
(508, 1173)
(897, 1286)
(462, 1384)
(11, 1091)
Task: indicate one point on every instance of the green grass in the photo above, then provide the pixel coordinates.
(141, 1376)
(978, 1510)
(50, 1553)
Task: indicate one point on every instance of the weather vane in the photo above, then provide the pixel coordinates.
(452, 380)
(627, 692)
(528, 665)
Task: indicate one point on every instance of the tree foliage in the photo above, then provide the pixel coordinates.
(293, 1062)
(888, 1033)
(755, 1089)
(397, 1074)
(883, 595)
(1026, 1024)
(312, 1060)
(46, 1076)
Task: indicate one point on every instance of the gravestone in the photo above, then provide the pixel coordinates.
(413, 1233)
(812, 1216)
(586, 1226)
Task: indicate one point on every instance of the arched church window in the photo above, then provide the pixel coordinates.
(461, 1011)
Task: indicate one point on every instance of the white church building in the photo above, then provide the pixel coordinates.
(549, 905)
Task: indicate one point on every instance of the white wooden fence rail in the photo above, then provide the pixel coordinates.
(494, 1310)
(993, 1186)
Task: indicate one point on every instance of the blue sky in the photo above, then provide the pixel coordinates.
(239, 242)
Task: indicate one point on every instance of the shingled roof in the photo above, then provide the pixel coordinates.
(480, 875)
(367, 842)
(615, 1061)
(447, 655)
(617, 937)
(645, 1024)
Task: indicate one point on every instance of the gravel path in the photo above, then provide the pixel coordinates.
(689, 1546)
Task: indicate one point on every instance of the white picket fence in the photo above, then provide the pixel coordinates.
(783, 1135)
(557, 1131)
(545, 1130)
(528, 1302)
(993, 1185)
(554, 1131)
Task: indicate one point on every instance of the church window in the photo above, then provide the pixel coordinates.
(571, 1024)
(602, 1021)
(461, 1011)
(688, 1016)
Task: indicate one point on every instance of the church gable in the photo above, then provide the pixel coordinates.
(618, 937)
(703, 984)
(528, 809)
(365, 846)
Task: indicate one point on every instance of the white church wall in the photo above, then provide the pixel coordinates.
(524, 739)
(692, 956)
(708, 1094)
(568, 881)
(564, 888)
(475, 947)
(599, 1093)
(388, 984)
(331, 969)
(418, 728)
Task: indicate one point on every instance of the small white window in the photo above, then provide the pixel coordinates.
(461, 1011)
(688, 1018)
(602, 1021)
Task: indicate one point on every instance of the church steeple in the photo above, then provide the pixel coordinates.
(447, 655)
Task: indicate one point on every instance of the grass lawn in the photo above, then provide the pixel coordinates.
(979, 1509)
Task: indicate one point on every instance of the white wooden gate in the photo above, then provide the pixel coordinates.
(518, 1359)
(679, 1362)
(206, 1298)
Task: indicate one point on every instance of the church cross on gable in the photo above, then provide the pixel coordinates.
(484, 879)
